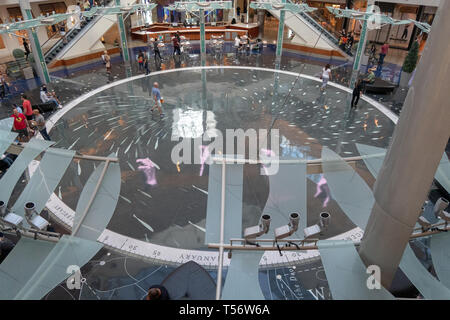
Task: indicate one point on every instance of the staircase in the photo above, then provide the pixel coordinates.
(311, 33)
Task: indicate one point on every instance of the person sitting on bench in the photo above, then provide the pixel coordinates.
(47, 97)
(370, 77)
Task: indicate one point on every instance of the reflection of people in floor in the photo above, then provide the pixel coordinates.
(322, 188)
(405, 33)
(357, 92)
(149, 169)
(157, 292)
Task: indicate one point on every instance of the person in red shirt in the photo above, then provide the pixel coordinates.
(20, 125)
(176, 46)
(384, 51)
(27, 107)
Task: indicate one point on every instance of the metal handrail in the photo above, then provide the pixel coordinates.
(42, 45)
(306, 18)
(71, 31)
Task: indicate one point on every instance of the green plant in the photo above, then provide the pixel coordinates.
(411, 59)
(30, 58)
(18, 53)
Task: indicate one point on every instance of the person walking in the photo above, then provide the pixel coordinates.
(405, 33)
(140, 61)
(26, 47)
(383, 53)
(156, 50)
(147, 70)
(357, 92)
(40, 123)
(26, 106)
(107, 60)
(4, 87)
(326, 76)
(176, 46)
(157, 97)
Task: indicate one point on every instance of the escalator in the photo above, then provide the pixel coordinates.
(85, 39)
(309, 32)
(51, 54)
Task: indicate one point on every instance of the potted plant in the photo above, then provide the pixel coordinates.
(18, 54)
(410, 64)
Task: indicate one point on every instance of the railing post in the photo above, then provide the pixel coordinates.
(222, 231)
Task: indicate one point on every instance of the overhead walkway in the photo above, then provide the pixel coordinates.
(308, 32)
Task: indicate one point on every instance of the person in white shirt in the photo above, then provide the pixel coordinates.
(46, 97)
(326, 76)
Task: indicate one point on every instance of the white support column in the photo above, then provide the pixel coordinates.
(35, 45)
(417, 146)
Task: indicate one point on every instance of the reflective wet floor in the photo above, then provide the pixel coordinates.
(163, 201)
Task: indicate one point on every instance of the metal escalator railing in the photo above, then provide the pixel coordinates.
(61, 43)
(311, 19)
(70, 35)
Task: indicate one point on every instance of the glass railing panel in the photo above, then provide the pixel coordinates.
(44, 180)
(100, 212)
(20, 265)
(428, 286)
(346, 273)
(33, 148)
(441, 256)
